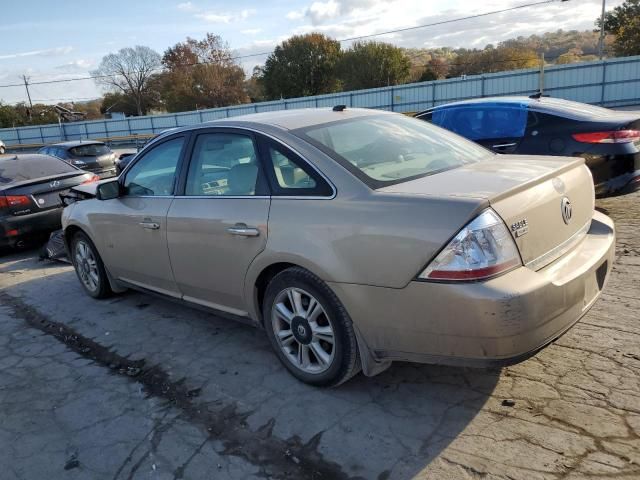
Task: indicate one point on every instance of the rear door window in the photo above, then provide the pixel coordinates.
(21, 169)
(485, 121)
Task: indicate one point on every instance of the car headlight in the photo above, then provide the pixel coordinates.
(482, 249)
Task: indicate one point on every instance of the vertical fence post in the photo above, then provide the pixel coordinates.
(129, 127)
(41, 135)
(316, 99)
(106, 132)
(603, 84)
(18, 136)
(153, 128)
(433, 94)
(86, 131)
(482, 94)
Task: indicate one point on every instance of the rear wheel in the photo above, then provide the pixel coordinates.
(309, 329)
(89, 267)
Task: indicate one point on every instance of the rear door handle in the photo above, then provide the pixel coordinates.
(242, 230)
(504, 145)
(150, 225)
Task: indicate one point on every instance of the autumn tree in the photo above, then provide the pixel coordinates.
(302, 65)
(131, 72)
(373, 64)
(624, 22)
(201, 74)
(436, 69)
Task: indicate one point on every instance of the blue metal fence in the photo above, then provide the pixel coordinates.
(612, 83)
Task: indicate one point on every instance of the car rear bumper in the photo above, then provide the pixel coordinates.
(25, 225)
(500, 321)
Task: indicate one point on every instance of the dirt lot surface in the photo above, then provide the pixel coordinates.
(137, 387)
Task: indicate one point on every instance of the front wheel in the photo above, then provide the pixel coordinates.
(310, 329)
(89, 267)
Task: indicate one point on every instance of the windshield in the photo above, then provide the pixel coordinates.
(386, 149)
(90, 150)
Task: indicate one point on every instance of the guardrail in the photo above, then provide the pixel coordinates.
(612, 82)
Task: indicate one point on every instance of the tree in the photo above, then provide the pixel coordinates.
(436, 69)
(201, 74)
(119, 102)
(624, 22)
(373, 64)
(302, 65)
(254, 85)
(131, 71)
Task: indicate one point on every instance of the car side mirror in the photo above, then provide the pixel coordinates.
(108, 190)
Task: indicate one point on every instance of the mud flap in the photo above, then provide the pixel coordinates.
(370, 365)
(55, 248)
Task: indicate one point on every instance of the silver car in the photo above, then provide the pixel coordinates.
(353, 237)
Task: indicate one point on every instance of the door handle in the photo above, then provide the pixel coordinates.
(150, 225)
(242, 230)
(504, 145)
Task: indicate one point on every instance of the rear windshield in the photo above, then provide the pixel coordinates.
(20, 169)
(91, 150)
(383, 150)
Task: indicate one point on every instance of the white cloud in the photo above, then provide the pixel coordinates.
(58, 51)
(251, 31)
(79, 64)
(215, 17)
(186, 7)
(295, 15)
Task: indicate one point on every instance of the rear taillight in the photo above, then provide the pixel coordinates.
(617, 136)
(92, 179)
(18, 201)
(482, 249)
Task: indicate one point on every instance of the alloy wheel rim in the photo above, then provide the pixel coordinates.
(87, 266)
(303, 330)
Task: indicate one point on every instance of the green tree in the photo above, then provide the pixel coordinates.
(373, 64)
(201, 74)
(624, 22)
(302, 65)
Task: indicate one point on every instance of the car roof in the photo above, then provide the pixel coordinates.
(552, 106)
(76, 143)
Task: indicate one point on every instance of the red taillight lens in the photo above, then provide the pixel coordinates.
(91, 179)
(18, 200)
(617, 136)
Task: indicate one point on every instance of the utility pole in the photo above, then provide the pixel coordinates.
(26, 86)
(541, 79)
(601, 42)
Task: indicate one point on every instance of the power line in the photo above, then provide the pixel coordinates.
(239, 57)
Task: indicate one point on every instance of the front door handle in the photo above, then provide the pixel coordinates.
(150, 225)
(242, 230)
(504, 145)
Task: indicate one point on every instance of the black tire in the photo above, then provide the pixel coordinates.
(345, 362)
(103, 289)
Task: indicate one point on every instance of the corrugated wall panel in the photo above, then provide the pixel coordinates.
(580, 82)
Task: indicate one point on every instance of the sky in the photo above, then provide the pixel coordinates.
(54, 40)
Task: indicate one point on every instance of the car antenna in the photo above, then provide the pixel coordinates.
(339, 108)
(537, 95)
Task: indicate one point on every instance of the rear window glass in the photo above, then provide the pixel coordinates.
(14, 170)
(91, 150)
(386, 149)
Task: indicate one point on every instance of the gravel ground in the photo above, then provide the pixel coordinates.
(137, 387)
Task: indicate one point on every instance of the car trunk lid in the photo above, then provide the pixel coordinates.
(529, 193)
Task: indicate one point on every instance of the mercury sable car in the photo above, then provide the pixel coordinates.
(353, 237)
